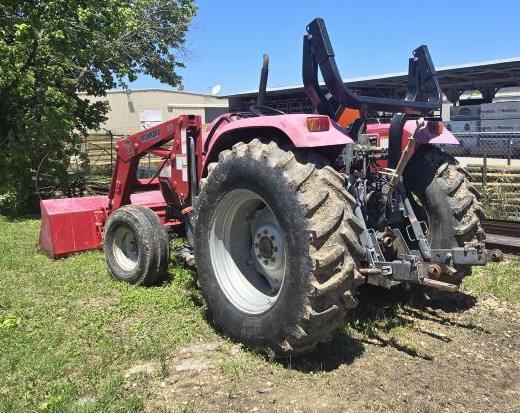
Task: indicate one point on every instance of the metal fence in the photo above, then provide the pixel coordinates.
(101, 153)
(493, 162)
(100, 150)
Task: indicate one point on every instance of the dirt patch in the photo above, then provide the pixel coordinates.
(459, 354)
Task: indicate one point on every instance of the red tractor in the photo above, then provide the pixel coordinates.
(286, 215)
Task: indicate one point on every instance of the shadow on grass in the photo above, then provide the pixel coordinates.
(343, 349)
(450, 303)
(382, 312)
(15, 217)
(376, 321)
(189, 277)
(432, 309)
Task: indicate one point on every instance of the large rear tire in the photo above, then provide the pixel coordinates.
(262, 205)
(453, 212)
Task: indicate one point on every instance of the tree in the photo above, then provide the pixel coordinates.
(52, 49)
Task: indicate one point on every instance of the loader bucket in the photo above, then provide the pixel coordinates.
(72, 225)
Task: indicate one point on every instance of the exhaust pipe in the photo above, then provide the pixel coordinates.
(263, 81)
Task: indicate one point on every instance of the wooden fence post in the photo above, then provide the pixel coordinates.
(484, 170)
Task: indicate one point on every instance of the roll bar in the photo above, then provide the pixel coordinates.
(423, 91)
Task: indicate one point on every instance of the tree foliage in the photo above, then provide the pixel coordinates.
(52, 49)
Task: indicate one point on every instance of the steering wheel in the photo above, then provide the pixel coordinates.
(261, 110)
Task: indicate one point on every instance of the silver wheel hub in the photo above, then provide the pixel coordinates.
(247, 249)
(124, 248)
(268, 248)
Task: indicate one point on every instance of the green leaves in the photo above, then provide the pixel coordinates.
(51, 50)
(21, 30)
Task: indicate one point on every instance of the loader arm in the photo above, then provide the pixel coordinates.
(150, 141)
(71, 225)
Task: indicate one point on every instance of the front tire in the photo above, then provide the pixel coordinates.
(259, 205)
(136, 246)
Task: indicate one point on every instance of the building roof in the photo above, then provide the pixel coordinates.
(493, 73)
(156, 89)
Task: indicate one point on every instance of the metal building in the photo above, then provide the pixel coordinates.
(133, 110)
(486, 77)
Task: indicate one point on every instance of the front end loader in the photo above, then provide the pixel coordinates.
(286, 215)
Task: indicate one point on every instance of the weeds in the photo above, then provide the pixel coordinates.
(499, 279)
(499, 188)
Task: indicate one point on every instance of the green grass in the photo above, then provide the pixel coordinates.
(68, 331)
(499, 279)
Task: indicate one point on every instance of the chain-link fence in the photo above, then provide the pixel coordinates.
(493, 162)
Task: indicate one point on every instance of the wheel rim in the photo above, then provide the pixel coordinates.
(125, 250)
(247, 250)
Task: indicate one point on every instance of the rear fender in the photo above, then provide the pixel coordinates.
(290, 129)
(382, 130)
(425, 135)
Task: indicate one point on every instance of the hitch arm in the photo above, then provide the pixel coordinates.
(395, 176)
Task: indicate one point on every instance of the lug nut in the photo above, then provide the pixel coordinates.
(266, 262)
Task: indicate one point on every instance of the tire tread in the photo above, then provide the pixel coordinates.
(334, 249)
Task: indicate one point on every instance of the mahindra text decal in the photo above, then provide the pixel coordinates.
(129, 147)
(150, 135)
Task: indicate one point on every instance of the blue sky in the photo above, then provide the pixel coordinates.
(228, 37)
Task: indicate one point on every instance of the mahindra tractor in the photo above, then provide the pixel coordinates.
(286, 215)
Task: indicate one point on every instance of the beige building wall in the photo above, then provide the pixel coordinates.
(129, 108)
